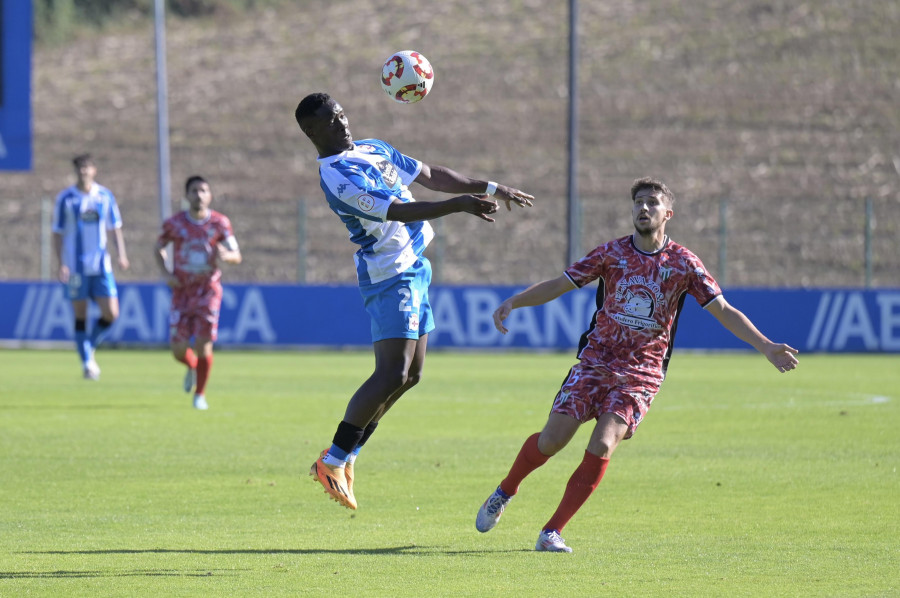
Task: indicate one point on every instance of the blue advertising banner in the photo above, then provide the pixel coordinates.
(15, 84)
(811, 320)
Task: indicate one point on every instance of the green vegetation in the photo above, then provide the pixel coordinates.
(741, 482)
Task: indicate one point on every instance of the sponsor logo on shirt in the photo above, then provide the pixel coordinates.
(388, 172)
(639, 299)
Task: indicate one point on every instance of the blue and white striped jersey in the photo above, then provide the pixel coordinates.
(83, 219)
(360, 185)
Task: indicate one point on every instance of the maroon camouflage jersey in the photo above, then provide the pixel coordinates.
(195, 258)
(638, 303)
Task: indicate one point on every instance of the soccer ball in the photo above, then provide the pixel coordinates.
(407, 77)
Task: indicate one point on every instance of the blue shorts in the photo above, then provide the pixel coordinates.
(84, 287)
(399, 306)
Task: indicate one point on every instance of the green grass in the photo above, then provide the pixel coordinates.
(741, 482)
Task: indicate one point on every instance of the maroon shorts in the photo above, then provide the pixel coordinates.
(198, 324)
(589, 392)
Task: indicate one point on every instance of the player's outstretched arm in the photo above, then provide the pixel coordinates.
(446, 180)
(782, 356)
(416, 211)
(537, 294)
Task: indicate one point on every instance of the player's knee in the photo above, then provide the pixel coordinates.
(549, 444)
(393, 379)
(413, 378)
(602, 449)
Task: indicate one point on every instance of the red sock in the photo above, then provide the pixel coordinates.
(580, 487)
(204, 364)
(528, 459)
(189, 358)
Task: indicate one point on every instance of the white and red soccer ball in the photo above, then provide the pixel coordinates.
(407, 77)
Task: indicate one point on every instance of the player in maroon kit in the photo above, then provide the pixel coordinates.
(623, 356)
(201, 238)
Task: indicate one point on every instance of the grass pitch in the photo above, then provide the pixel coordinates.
(741, 482)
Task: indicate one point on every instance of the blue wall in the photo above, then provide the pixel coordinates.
(832, 320)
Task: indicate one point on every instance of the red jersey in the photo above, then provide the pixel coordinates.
(195, 257)
(638, 303)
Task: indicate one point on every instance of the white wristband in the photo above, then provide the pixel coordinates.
(491, 188)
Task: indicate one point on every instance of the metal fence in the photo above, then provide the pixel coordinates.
(315, 248)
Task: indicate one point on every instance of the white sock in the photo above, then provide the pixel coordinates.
(333, 461)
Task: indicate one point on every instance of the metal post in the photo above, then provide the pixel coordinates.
(46, 238)
(301, 241)
(162, 112)
(870, 225)
(573, 248)
(723, 241)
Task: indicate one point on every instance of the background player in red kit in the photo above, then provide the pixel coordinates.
(623, 356)
(201, 238)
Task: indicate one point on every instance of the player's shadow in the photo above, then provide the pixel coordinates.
(62, 574)
(132, 573)
(394, 550)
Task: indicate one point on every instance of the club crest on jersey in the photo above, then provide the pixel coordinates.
(365, 202)
(388, 172)
(664, 273)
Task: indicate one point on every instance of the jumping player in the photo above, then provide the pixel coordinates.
(366, 183)
(84, 215)
(623, 356)
(201, 238)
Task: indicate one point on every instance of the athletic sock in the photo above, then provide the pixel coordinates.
(367, 433)
(204, 364)
(82, 345)
(580, 487)
(528, 459)
(189, 358)
(99, 332)
(346, 438)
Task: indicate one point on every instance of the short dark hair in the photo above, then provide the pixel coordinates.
(82, 160)
(308, 106)
(650, 183)
(193, 179)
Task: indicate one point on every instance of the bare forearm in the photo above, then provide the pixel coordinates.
(57, 248)
(741, 326)
(447, 180)
(160, 256)
(781, 355)
(542, 292)
(537, 294)
(422, 210)
(120, 243)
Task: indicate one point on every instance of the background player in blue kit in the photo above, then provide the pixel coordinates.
(84, 215)
(366, 185)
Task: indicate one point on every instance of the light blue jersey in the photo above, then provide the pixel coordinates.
(360, 185)
(84, 219)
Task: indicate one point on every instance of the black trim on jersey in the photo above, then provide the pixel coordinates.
(672, 331)
(600, 298)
